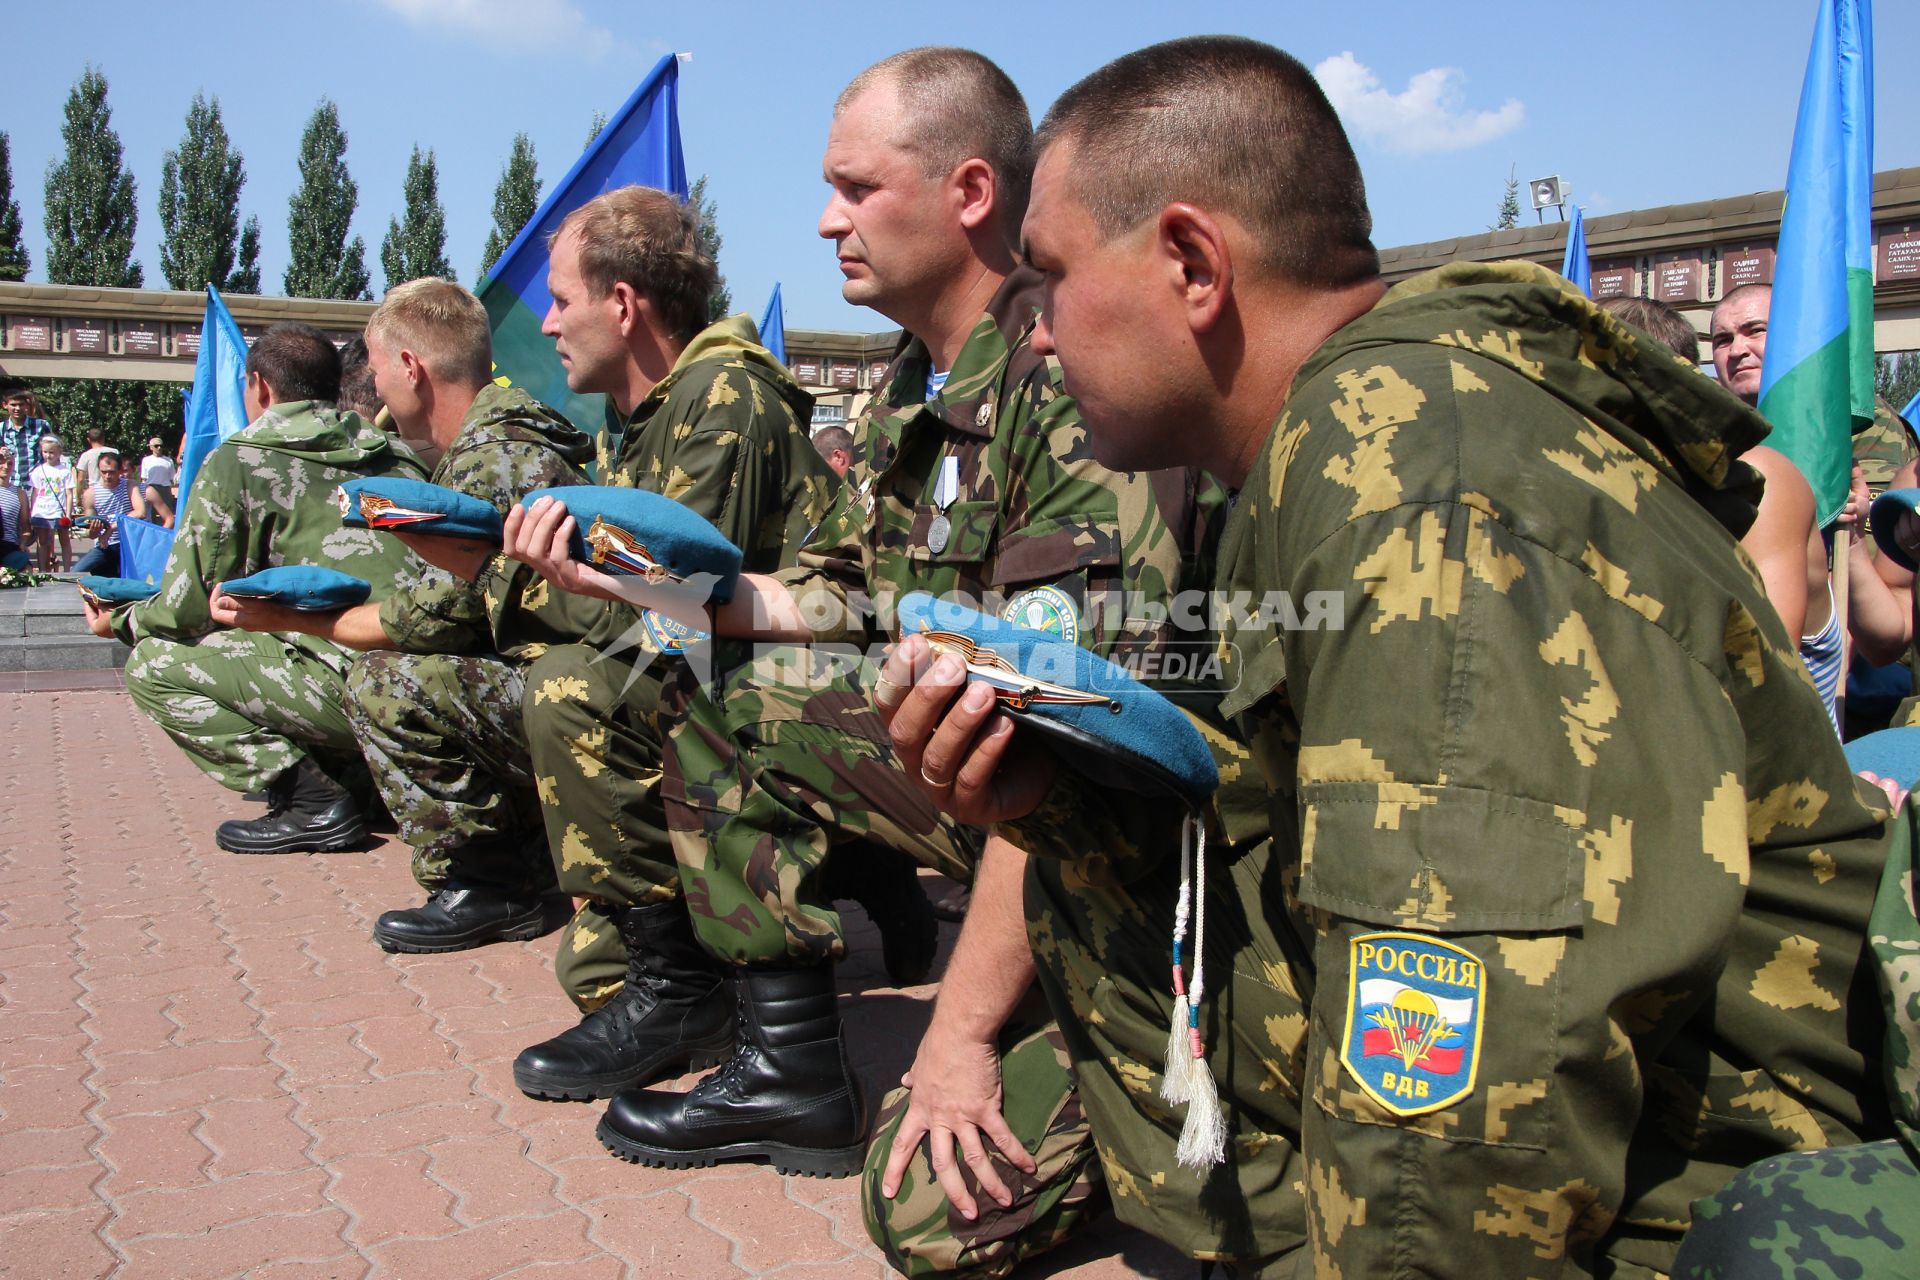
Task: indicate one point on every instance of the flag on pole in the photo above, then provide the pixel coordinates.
(773, 326)
(1575, 266)
(1817, 378)
(641, 144)
(217, 405)
(1913, 407)
(144, 547)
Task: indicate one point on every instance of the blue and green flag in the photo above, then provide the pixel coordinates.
(1575, 265)
(773, 326)
(641, 144)
(1817, 379)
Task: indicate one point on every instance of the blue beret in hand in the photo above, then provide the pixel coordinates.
(395, 502)
(646, 535)
(108, 592)
(306, 587)
(1884, 517)
(1893, 754)
(1103, 721)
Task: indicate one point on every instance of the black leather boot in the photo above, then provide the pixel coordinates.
(787, 1094)
(458, 917)
(672, 1013)
(887, 886)
(307, 812)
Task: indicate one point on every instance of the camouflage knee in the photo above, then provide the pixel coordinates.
(918, 1230)
(591, 963)
(1831, 1214)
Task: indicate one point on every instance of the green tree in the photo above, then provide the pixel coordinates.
(246, 267)
(1509, 204)
(322, 263)
(721, 304)
(200, 186)
(418, 246)
(593, 130)
(128, 412)
(516, 198)
(14, 261)
(1897, 377)
(90, 211)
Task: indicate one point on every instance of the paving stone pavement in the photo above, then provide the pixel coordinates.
(207, 1069)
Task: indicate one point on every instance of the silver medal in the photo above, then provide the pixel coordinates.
(937, 534)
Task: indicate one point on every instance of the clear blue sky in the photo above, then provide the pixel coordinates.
(1638, 103)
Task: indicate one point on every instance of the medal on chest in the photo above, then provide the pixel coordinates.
(945, 490)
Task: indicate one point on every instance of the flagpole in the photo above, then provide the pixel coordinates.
(1842, 544)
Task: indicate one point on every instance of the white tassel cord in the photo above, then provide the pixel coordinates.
(1186, 1079)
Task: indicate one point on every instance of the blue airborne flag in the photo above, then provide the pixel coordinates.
(773, 326)
(217, 407)
(1817, 379)
(641, 144)
(1575, 266)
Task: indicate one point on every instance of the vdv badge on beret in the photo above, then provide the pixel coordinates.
(1415, 1006)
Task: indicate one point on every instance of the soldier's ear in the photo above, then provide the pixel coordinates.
(1198, 260)
(977, 189)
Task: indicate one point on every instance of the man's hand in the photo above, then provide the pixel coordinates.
(464, 558)
(945, 732)
(99, 621)
(252, 614)
(961, 1101)
(541, 537)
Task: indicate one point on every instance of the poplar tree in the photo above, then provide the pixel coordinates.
(417, 245)
(14, 261)
(1509, 205)
(516, 198)
(721, 303)
(200, 186)
(246, 267)
(90, 211)
(322, 262)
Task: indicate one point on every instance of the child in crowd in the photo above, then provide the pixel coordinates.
(52, 486)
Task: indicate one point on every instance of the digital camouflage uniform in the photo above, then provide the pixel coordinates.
(1599, 796)
(783, 756)
(246, 707)
(462, 793)
(724, 433)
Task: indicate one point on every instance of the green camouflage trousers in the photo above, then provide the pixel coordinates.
(591, 962)
(766, 768)
(1103, 951)
(245, 707)
(441, 735)
(595, 751)
(918, 1231)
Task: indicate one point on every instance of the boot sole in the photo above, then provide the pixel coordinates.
(804, 1162)
(543, 1088)
(345, 839)
(517, 931)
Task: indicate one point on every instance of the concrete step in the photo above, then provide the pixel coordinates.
(62, 653)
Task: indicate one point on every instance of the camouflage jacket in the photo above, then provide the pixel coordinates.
(265, 497)
(509, 445)
(1587, 893)
(1883, 446)
(1026, 523)
(724, 433)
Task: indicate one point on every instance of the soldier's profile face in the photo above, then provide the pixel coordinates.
(585, 330)
(892, 232)
(390, 384)
(1103, 316)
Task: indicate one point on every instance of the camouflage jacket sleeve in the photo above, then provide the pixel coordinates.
(1543, 999)
(724, 462)
(211, 544)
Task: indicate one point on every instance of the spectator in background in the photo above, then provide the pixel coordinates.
(52, 487)
(102, 505)
(836, 447)
(22, 432)
(356, 385)
(13, 510)
(156, 481)
(89, 460)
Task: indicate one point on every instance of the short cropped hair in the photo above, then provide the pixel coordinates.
(443, 324)
(357, 390)
(1230, 124)
(1659, 320)
(298, 361)
(96, 435)
(649, 240)
(957, 104)
(827, 439)
(1740, 292)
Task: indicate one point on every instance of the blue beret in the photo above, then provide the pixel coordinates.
(1893, 754)
(302, 586)
(634, 531)
(112, 591)
(1885, 515)
(1104, 722)
(395, 502)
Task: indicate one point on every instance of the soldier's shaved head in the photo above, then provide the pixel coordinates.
(1231, 125)
(957, 105)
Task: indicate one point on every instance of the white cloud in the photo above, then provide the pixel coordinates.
(508, 23)
(1429, 116)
